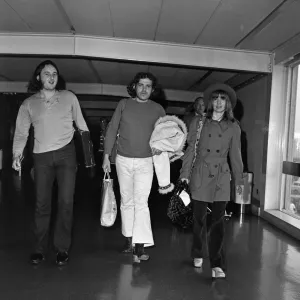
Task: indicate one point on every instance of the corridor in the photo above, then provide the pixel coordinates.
(263, 262)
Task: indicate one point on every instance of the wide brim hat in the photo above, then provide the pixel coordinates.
(220, 87)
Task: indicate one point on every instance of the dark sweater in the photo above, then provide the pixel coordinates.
(134, 121)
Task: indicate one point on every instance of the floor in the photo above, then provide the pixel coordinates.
(263, 262)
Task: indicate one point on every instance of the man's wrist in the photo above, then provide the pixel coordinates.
(16, 155)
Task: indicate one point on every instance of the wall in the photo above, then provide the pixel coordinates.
(254, 102)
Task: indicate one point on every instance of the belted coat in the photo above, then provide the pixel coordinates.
(210, 174)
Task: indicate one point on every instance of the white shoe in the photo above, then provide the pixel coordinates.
(218, 273)
(198, 262)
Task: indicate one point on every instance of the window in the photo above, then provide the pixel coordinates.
(292, 176)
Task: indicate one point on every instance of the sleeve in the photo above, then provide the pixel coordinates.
(77, 115)
(162, 112)
(188, 157)
(23, 124)
(236, 156)
(113, 128)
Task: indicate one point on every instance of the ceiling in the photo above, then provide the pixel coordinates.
(256, 25)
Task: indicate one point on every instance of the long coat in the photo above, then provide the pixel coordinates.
(210, 174)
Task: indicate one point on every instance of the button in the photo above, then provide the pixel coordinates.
(208, 150)
(209, 135)
(217, 151)
(220, 135)
(216, 166)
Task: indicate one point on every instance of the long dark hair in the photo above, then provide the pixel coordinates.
(141, 75)
(228, 113)
(36, 85)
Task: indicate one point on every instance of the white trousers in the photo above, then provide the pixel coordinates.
(135, 177)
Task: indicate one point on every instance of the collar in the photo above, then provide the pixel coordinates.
(54, 99)
(224, 125)
(141, 101)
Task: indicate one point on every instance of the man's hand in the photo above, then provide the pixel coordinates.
(106, 163)
(16, 165)
(156, 151)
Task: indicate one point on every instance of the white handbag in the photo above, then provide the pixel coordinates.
(108, 202)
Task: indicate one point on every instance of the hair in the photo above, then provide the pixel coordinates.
(36, 85)
(141, 75)
(228, 113)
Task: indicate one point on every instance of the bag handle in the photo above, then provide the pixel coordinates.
(106, 174)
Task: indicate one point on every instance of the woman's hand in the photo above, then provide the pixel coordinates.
(185, 180)
(239, 189)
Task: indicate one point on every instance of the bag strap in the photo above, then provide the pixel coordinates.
(199, 130)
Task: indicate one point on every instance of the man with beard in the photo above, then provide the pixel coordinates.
(51, 111)
(133, 122)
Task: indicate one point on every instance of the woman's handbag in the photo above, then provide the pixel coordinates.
(108, 202)
(178, 212)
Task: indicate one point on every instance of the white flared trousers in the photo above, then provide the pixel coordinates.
(135, 177)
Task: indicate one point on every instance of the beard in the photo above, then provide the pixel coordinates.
(143, 97)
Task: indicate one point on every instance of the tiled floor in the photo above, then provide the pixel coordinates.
(263, 262)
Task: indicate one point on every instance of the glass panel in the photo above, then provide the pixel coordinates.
(292, 203)
(296, 143)
(292, 183)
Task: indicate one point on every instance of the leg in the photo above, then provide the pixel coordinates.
(142, 232)
(124, 167)
(66, 167)
(143, 176)
(199, 248)
(44, 177)
(217, 235)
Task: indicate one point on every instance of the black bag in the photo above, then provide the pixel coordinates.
(84, 149)
(179, 213)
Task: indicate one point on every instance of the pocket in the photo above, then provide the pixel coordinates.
(225, 175)
(41, 159)
(206, 175)
(146, 165)
(225, 169)
(196, 177)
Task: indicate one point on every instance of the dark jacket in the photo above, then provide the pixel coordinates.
(210, 175)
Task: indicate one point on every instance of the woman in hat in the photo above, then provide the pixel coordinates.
(205, 167)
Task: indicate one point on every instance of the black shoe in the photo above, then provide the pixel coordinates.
(139, 254)
(128, 245)
(62, 258)
(36, 258)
